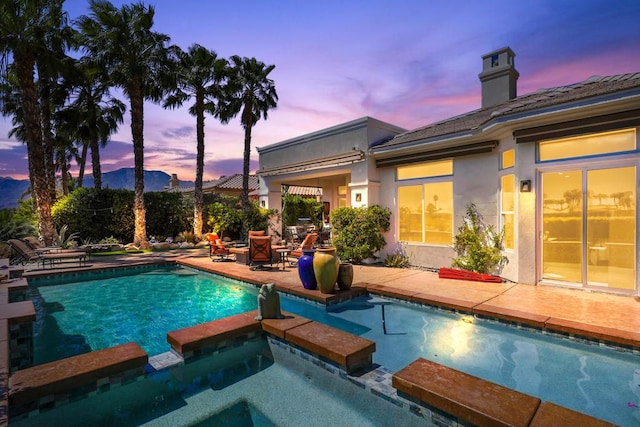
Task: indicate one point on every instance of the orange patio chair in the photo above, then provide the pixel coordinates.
(260, 253)
(307, 243)
(218, 251)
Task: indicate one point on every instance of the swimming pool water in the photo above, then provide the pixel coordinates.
(597, 380)
(143, 305)
(592, 379)
(275, 388)
(100, 313)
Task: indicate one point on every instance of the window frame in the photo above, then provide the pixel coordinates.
(588, 156)
(422, 182)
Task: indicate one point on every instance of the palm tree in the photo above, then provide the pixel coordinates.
(137, 60)
(200, 75)
(253, 94)
(91, 116)
(27, 28)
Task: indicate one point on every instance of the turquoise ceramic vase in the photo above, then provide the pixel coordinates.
(325, 268)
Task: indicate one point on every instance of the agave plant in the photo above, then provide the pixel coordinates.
(61, 239)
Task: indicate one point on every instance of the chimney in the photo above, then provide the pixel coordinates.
(498, 77)
(174, 182)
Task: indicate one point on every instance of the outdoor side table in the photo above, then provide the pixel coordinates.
(284, 257)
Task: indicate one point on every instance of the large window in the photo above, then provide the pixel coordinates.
(507, 203)
(425, 170)
(426, 213)
(588, 145)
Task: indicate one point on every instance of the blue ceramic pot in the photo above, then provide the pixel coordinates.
(305, 269)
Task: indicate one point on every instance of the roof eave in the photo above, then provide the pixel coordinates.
(623, 99)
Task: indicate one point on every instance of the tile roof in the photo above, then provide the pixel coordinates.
(232, 182)
(543, 98)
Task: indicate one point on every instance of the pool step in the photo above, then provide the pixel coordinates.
(348, 351)
(46, 385)
(479, 402)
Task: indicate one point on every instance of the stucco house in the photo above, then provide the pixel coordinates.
(557, 169)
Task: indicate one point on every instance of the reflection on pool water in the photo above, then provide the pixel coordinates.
(597, 380)
(240, 387)
(592, 379)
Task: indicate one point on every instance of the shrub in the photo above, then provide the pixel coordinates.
(95, 214)
(294, 207)
(224, 216)
(227, 219)
(167, 215)
(357, 232)
(13, 226)
(478, 245)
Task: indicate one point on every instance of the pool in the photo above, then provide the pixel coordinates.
(92, 311)
(254, 384)
(596, 380)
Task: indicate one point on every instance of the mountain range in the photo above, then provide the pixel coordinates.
(11, 189)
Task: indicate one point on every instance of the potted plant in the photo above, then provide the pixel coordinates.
(479, 249)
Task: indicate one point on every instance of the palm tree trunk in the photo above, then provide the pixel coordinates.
(197, 193)
(95, 152)
(247, 121)
(46, 132)
(64, 173)
(137, 126)
(25, 64)
(82, 161)
(95, 164)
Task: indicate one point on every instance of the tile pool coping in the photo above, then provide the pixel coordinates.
(547, 323)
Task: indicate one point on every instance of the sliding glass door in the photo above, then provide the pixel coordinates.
(589, 227)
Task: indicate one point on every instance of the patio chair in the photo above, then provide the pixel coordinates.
(307, 243)
(217, 248)
(26, 254)
(260, 253)
(291, 234)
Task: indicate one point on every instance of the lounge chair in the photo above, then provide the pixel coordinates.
(260, 252)
(217, 248)
(307, 243)
(33, 242)
(26, 254)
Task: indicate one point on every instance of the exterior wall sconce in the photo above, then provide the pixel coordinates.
(525, 186)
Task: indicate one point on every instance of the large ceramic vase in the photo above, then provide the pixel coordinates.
(325, 267)
(345, 276)
(305, 269)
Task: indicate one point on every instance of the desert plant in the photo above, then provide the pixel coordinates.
(357, 232)
(109, 241)
(478, 245)
(61, 239)
(186, 237)
(397, 259)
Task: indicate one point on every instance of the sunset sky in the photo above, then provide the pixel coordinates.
(406, 62)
